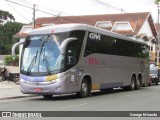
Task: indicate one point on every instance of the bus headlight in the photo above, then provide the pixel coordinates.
(55, 81)
(23, 81)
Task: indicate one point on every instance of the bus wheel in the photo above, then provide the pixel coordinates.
(85, 89)
(47, 96)
(132, 86)
(138, 83)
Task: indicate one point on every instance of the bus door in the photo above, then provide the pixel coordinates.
(71, 65)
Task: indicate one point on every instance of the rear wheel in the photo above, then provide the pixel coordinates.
(85, 89)
(138, 83)
(132, 86)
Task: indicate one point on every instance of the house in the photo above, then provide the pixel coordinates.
(136, 25)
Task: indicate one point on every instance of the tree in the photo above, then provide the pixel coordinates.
(8, 28)
(7, 32)
(6, 17)
(157, 2)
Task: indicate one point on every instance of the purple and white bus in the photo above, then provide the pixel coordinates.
(79, 58)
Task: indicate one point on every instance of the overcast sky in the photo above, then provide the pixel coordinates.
(75, 7)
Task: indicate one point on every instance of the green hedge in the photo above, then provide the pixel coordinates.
(10, 61)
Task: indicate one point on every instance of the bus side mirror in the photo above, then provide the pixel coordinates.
(14, 47)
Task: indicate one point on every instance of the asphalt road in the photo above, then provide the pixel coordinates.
(145, 99)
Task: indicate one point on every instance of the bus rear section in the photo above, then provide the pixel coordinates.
(111, 61)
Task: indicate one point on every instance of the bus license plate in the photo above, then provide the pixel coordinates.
(37, 89)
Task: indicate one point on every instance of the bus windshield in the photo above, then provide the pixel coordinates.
(42, 54)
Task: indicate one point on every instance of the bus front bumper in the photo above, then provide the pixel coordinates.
(50, 87)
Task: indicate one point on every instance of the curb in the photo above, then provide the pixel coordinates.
(15, 97)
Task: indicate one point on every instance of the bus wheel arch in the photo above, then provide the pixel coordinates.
(85, 88)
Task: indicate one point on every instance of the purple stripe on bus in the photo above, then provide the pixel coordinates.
(32, 79)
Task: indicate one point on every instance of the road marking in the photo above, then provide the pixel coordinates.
(74, 106)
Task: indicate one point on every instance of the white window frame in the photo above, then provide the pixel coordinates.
(126, 22)
(104, 22)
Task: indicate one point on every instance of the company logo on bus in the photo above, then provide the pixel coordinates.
(95, 36)
(93, 61)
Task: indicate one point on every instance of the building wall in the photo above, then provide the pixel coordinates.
(26, 29)
(146, 29)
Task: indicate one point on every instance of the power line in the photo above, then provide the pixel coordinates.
(18, 12)
(43, 11)
(19, 4)
(27, 2)
(149, 3)
(108, 6)
(62, 12)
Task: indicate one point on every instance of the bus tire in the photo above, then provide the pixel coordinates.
(85, 89)
(132, 86)
(47, 96)
(138, 83)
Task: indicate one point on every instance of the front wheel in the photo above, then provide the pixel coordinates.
(85, 89)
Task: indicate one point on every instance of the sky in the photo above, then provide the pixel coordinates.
(75, 7)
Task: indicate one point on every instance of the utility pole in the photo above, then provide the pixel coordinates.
(33, 20)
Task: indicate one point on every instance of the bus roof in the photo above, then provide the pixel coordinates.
(69, 27)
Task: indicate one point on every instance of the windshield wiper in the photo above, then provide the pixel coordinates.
(32, 63)
(47, 64)
(41, 46)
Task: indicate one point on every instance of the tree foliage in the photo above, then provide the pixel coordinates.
(8, 28)
(157, 1)
(8, 60)
(6, 17)
(7, 31)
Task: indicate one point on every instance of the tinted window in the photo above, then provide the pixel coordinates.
(115, 46)
(74, 48)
